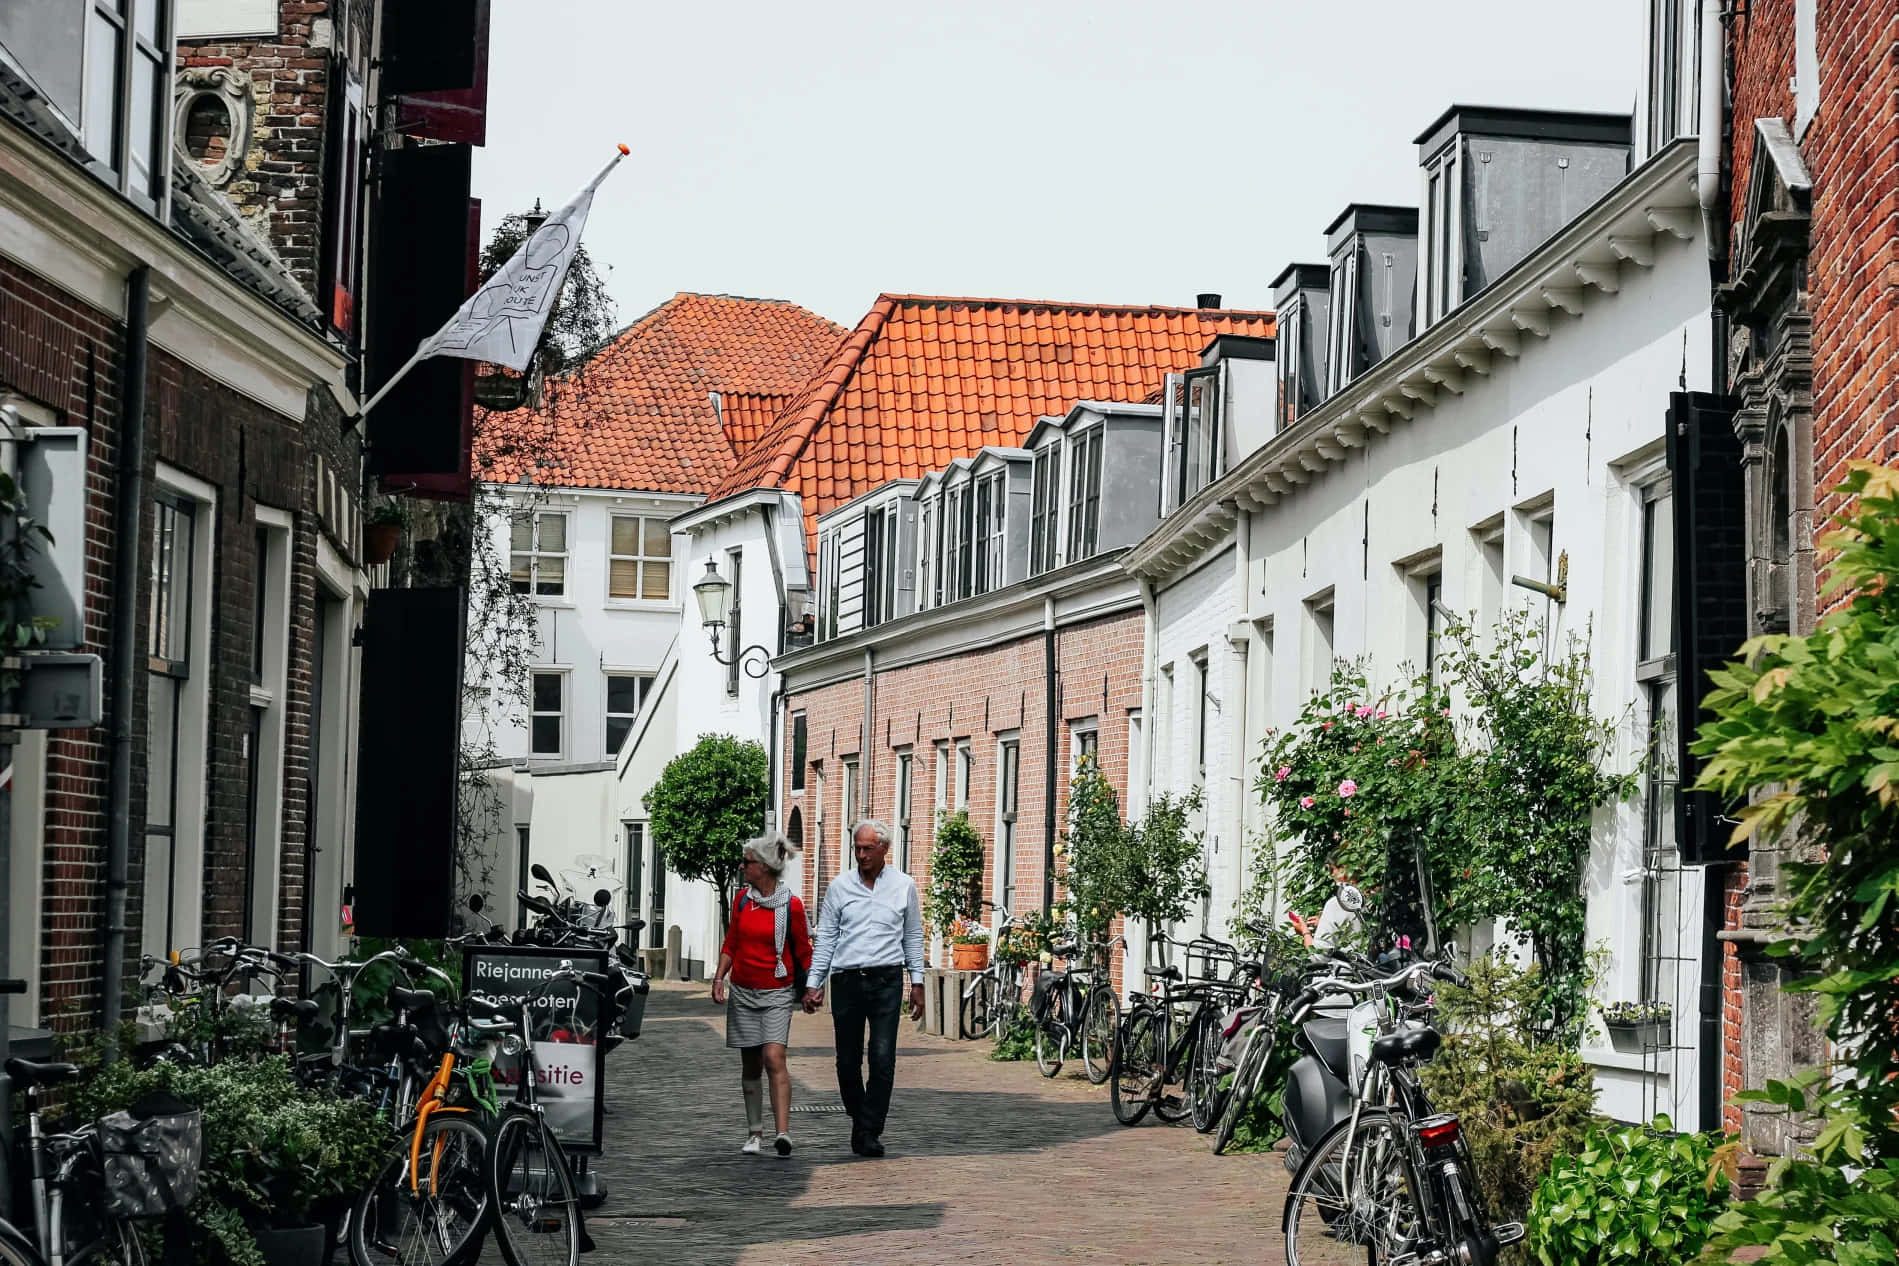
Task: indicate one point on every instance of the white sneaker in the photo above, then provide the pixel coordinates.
(752, 1144)
(783, 1144)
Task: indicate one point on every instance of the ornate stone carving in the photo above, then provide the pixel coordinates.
(230, 89)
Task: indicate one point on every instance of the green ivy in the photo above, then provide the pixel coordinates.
(1632, 1196)
(1017, 1042)
(1814, 722)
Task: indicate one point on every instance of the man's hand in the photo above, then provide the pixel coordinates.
(916, 1001)
(718, 990)
(813, 999)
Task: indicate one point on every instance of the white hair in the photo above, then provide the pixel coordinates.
(772, 851)
(882, 831)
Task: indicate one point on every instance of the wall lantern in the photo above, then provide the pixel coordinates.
(714, 595)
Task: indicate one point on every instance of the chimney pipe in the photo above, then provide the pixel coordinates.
(1205, 300)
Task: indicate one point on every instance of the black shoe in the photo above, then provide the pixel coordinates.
(873, 1146)
(857, 1140)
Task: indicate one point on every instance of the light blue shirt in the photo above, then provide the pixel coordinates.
(879, 925)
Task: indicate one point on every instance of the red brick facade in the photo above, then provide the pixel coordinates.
(976, 696)
(1852, 151)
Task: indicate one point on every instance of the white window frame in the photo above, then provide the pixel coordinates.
(965, 773)
(640, 691)
(1082, 505)
(850, 793)
(563, 715)
(1045, 508)
(270, 695)
(926, 557)
(639, 561)
(184, 896)
(1008, 816)
(1202, 709)
(114, 153)
(989, 549)
(534, 553)
(903, 804)
(1321, 640)
(1422, 575)
(1083, 733)
(942, 803)
(1137, 758)
(1492, 574)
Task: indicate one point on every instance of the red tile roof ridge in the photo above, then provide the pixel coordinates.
(1071, 305)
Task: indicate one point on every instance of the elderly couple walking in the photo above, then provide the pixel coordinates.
(870, 938)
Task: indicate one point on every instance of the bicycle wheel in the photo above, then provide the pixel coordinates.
(1203, 1086)
(1101, 1019)
(1247, 1079)
(1137, 1062)
(1177, 1106)
(118, 1246)
(1354, 1204)
(536, 1214)
(15, 1248)
(1051, 1034)
(979, 1008)
(442, 1217)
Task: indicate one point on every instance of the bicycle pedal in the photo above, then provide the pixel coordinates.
(1508, 1233)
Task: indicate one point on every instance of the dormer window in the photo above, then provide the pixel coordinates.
(926, 553)
(987, 539)
(1198, 454)
(1044, 508)
(1084, 492)
(1442, 282)
(880, 565)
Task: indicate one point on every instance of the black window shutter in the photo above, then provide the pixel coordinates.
(1704, 466)
(409, 746)
(418, 278)
(429, 45)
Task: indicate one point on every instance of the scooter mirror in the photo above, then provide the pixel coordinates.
(474, 903)
(602, 898)
(1351, 898)
(540, 872)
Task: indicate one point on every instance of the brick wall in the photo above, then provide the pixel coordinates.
(280, 188)
(976, 696)
(1852, 152)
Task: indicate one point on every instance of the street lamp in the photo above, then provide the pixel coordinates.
(714, 595)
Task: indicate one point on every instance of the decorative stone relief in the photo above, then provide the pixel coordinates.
(230, 89)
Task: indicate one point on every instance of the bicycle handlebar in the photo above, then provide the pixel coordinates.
(1325, 985)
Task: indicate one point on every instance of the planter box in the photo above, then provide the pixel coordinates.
(294, 1246)
(1637, 1039)
(969, 957)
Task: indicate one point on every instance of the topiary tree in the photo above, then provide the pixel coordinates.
(1091, 861)
(706, 804)
(955, 888)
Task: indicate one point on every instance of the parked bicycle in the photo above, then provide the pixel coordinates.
(1170, 1034)
(993, 995)
(1075, 1009)
(1394, 1182)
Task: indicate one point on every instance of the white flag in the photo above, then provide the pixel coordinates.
(502, 322)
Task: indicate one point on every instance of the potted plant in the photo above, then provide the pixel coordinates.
(1637, 1027)
(382, 532)
(954, 892)
(969, 948)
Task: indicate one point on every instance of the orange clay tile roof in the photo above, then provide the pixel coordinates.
(639, 414)
(922, 381)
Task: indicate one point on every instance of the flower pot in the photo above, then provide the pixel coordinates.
(969, 957)
(380, 541)
(1638, 1039)
(294, 1245)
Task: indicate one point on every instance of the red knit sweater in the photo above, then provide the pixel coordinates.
(749, 942)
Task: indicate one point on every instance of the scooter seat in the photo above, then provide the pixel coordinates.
(1327, 1035)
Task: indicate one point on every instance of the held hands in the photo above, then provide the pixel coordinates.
(813, 999)
(718, 990)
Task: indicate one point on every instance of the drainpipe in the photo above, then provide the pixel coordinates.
(1239, 697)
(778, 685)
(1150, 721)
(128, 499)
(1050, 787)
(1708, 140)
(863, 742)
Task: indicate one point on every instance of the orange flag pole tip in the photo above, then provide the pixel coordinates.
(625, 150)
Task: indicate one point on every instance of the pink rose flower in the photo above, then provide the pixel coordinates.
(1305, 802)
(1284, 772)
(1381, 714)
(1348, 789)
(1348, 813)
(1326, 726)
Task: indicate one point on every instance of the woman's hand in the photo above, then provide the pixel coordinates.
(1303, 926)
(718, 990)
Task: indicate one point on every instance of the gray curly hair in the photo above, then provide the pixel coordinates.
(772, 851)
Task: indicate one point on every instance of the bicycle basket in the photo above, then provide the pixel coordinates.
(149, 1156)
(638, 986)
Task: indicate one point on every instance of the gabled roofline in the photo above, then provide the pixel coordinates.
(887, 489)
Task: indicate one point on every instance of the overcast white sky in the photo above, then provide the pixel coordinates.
(1114, 151)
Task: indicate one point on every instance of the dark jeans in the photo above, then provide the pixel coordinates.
(873, 997)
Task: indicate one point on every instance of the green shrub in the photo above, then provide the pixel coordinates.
(1524, 1100)
(1018, 1040)
(1633, 1196)
(954, 891)
(1263, 1124)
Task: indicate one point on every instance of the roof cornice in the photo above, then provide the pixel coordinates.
(1571, 271)
(717, 513)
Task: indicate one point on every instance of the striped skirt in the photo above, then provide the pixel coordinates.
(754, 1017)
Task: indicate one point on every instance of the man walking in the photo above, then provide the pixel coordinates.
(870, 936)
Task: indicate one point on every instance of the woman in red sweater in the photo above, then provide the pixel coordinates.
(767, 949)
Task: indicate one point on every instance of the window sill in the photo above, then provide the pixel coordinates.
(558, 604)
(666, 606)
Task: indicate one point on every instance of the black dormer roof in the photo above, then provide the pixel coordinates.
(1529, 125)
(1370, 217)
(1296, 277)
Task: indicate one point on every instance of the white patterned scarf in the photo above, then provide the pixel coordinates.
(779, 903)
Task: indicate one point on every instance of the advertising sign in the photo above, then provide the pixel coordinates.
(569, 1062)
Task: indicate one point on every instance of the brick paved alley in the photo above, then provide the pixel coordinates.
(985, 1160)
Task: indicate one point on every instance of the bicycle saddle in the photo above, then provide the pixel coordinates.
(1163, 973)
(294, 1008)
(25, 1072)
(1394, 1048)
(482, 1009)
(1065, 951)
(410, 999)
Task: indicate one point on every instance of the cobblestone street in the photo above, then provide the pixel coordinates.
(986, 1160)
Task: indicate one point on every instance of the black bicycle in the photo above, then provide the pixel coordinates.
(1171, 1034)
(1075, 1009)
